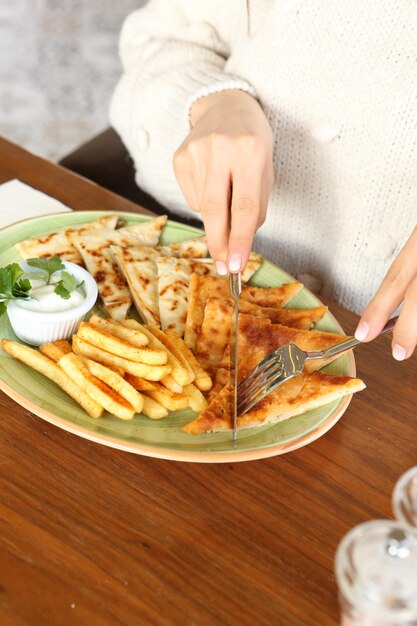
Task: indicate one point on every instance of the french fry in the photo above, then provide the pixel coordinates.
(96, 388)
(104, 340)
(169, 399)
(196, 399)
(131, 335)
(170, 383)
(51, 370)
(171, 343)
(52, 351)
(140, 383)
(149, 372)
(202, 380)
(153, 409)
(180, 374)
(116, 382)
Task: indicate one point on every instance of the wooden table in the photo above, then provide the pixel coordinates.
(97, 537)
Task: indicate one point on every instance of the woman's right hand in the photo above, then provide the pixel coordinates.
(224, 168)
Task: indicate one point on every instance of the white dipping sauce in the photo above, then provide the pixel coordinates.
(46, 300)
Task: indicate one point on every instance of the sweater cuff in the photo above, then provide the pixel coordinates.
(232, 83)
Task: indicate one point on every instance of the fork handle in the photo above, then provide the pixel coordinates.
(346, 344)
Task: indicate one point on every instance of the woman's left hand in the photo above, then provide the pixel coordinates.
(399, 286)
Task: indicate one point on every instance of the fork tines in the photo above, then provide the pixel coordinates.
(252, 389)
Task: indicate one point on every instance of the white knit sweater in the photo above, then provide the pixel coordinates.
(337, 80)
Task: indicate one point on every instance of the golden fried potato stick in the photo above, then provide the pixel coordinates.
(54, 372)
(149, 372)
(180, 375)
(140, 383)
(104, 340)
(202, 380)
(113, 402)
(196, 399)
(171, 343)
(169, 399)
(153, 409)
(116, 382)
(131, 335)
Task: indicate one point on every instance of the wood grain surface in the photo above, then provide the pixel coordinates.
(91, 536)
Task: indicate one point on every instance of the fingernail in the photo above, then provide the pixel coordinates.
(362, 330)
(221, 268)
(235, 263)
(398, 352)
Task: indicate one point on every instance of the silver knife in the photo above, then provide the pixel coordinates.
(235, 285)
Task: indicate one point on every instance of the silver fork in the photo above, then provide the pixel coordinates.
(284, 364)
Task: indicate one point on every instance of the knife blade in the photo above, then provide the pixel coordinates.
(235, 286)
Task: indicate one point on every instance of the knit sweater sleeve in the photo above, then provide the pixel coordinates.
(173, 52)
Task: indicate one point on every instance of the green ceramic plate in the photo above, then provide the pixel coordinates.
(161, 438)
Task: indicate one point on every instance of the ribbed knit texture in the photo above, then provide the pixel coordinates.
(337, 81)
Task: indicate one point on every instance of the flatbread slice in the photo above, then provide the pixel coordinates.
(146, 233)
(138, 267)
(112, 286)
(173, 285)
(296, 396)
(195, 248)
(174, 278)
(215, 329)
(60, 243)
(204, 287)
(258, 338)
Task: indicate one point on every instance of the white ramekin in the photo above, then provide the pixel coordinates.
(36, 328)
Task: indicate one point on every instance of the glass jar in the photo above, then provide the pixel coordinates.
(404, 498)
(376, 570)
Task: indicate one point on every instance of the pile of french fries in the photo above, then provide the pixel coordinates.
(121, 367)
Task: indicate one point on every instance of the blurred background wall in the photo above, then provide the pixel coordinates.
(58, 67)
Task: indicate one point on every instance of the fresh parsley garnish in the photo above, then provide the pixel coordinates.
(50, 266)
(12, 285)
(66, 285)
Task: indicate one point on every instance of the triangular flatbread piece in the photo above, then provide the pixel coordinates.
(138, 266)
(112, 287)
(146, 233)
(215, 329)
(60, 243)
(258, 338)
(195, 248)
(296, 396)
(140, 271)
(204, 287)
(173, 284)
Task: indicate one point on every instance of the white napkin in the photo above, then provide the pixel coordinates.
(19, 201)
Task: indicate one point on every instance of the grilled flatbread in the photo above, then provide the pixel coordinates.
(60, 243)
(190, 248)
(215, 329)
(174, 281)
(112, 286)
(138, 267)
(258, 338)
(173, 285)
(296, 396)
(204, 287)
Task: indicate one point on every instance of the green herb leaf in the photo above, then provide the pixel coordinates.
(66, 285)
(15, 272)
(3, 308)
(21, 288)
(50, 266)
(5, 282)
(61, 291)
